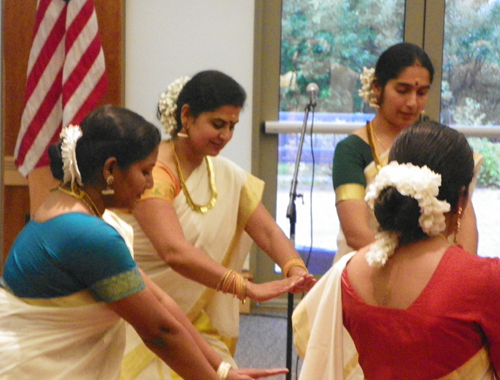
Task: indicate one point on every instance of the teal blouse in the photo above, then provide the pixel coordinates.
(70, 253)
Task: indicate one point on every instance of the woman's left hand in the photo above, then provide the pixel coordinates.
(305, 285)
(254, 373)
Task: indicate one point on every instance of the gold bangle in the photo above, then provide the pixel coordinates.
(223, 280)
(230, 281)
(291, 262)
(295, 266)
(290, 258)
(234, 283)
(240, 288)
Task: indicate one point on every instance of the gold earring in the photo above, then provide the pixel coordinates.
(459, 223)
(108, 190)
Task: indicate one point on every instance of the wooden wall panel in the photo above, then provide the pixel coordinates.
(14, 216)
(18, 21)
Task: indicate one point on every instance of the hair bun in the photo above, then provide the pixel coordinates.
(399, 213)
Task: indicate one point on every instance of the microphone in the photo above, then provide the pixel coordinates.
(312, 89)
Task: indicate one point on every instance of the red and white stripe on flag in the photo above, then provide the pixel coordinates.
(66, 77)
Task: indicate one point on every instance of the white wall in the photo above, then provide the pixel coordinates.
(167, 39)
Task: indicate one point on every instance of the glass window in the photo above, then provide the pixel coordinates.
(469, 97)
(471, 75)
(327, 42)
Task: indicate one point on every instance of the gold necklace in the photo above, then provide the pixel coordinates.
(379, 142)
(81, 195)
(211, 180)
(370, 133)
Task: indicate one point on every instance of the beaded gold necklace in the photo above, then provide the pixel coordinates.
(81, 195)
(370, 133)
(202, 209)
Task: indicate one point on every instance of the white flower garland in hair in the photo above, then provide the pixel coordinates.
(167, 105)
(70, 136)
(385, 244)
(420, 183)
(366, 91)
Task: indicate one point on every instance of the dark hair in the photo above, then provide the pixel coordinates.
(442, 149)
(207, 91)
(108, 132)
(397, 58)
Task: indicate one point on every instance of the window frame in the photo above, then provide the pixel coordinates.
(424, 26)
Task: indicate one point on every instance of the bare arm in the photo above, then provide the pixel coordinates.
(165, 335)
(167, 331)
(269, 236)
(160, 223)
(271, 239)
(353, 216)
(468, 235)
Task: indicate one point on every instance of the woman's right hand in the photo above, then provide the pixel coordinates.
(269, 290)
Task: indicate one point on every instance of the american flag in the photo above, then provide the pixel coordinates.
(66, 77)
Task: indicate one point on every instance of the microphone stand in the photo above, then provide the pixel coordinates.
(291, 214)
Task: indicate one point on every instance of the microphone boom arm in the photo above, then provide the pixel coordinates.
(291, 214)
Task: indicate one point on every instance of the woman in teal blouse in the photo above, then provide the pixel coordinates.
(70, 282)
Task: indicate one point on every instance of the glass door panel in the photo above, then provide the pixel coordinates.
(471, 56)
(327, 42)
(470, 97)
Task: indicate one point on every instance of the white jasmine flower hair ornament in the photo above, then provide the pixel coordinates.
(417, 182)
(70, 136)
(167, 105)
(366, 91)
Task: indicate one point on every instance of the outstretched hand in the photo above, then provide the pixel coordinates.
(303, 286)
(269, 290)
(254, 373)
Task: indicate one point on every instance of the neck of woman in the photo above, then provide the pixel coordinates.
(64, 199)
(97, 199)
(189, 158)
(429, 245)
(385, 132)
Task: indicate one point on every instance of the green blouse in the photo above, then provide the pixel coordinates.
(352, 155)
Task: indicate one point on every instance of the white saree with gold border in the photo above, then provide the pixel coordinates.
(73, 337)
(220, 234)
(319, 334)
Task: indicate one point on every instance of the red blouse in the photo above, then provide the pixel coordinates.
(455, 315)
